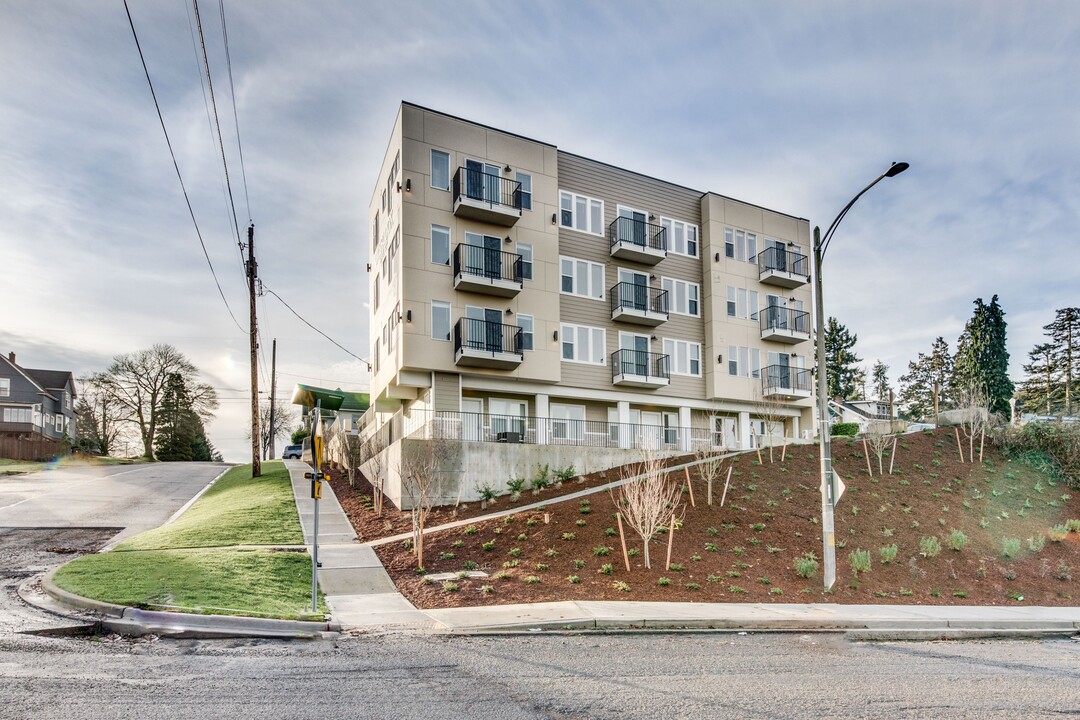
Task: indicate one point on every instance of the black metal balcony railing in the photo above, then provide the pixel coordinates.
(487, 263)
(637, 232)
(484, 336)
(785, 378)
(630, 296)
(487, 188)
(789, 319)
(640, 363)
(780, 260)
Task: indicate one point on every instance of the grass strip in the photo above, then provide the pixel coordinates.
(252, 582)
(237, 510)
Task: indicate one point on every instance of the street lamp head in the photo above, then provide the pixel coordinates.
(896, 169)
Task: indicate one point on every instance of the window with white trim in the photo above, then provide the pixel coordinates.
(579, 212)
(584, 344)
(683, 296)
(440, 320)
(5, 387)
(567, 421)
(376, 360)
(682, 238)
(740, 245)
(59, 423)
(526, 189)
(526, 253)
(525, 322)
(581, 277)
(375, 297)
(440, 245)
(744, 362)
(18, 415)
(440, 170)
(684, 357)
(742, 303)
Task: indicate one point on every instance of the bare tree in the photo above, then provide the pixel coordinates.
(770, 410)
(648, 501)
(137, 382)
(284, 417)
(373, 456)
(100, 419)
(709, 463)
(879, 438)
(974, 413)
(419, 470)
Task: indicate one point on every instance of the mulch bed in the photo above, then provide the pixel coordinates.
(746, 551)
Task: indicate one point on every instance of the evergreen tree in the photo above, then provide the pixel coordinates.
(982, 359)
(1039, 391)
(841, 364)
(928, 377)
(1064, 333)
(879, 379)
(177, 431)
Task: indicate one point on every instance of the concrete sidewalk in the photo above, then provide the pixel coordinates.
(358, 591)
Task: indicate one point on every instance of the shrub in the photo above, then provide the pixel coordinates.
(957, 540)
(620, 586)
(551, 552)
(1010, 547)
(776, 591)
(514, 552)
(633, 552)
(888, 553)
(515, 485)
(600, 550)
(471, 530)
(522, 537)
(676, 567)
(488, 493)
(469, 565)
(663, 582)
(610, 532)
(541, 567)
(579, 564)
(542, 478)
(568, 536)
(607, 569)
(1037, 543)
(1058, 533)
(457, 544)
(845, 429)
(930, 547)
(489, 545)
(573, 579)
(446, 556)
(502, 575)
(450, 587)
(531, 580)
(580, 522)
(807, 565)
(860, 561)
(565, 474)
(1073, 525)
(692, 586)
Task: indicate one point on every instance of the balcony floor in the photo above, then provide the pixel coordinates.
(483, 211)
(648, 318)
(476, 357)
(498, 287)
(783, 278)
(640, 381)
(637, 253)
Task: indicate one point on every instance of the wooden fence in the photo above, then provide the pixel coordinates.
(21, 448)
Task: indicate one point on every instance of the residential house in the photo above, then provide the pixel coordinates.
(35, 405)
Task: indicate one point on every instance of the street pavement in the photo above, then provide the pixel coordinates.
(132, 497)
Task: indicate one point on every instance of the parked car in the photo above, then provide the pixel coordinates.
(292, 451)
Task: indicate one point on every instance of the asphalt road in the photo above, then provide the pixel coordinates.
(132, 497)
(625, 676)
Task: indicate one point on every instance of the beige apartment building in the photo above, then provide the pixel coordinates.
(527, 296)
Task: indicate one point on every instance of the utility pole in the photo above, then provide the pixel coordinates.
(273, 399)
(252, 273)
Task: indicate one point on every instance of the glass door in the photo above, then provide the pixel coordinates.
(633, 290)
(474, 179)
(472, 419)
(779, 255)
(635, 355)
(632, 226)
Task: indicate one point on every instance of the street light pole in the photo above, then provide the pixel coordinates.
(828, 485)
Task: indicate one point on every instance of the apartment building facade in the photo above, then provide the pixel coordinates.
(524, 294)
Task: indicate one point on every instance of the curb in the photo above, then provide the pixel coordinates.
(132, 621)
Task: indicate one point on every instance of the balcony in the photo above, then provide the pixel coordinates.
(479, 343)
(485, 197)
(785, 325)
(637, 241)
(784, 268)
(486, 270)
(786, 383)
(640, 369)
(638, 304)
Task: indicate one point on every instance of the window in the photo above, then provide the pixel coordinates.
(682, 296)
(375, 299)
(733, 360)
(18, 415)
(375, 358)
(581, 277)
(440, 245)
(59, 423)
(744, 362)
(507, 415)
(581, 213)
(5, 387)
(526, 189)
(526, 253)
(440, 320)
(684, 357)
(682, 238)
(375, 234)
(583, 344)
(440, 170)
(731, 303)
(525, 322)
(567, 421)
(740, 245)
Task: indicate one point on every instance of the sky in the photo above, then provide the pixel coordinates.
(794, 106)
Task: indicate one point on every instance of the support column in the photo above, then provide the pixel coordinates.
(684, 432)
(744, 430)
(795, 427)
(625, 431)
(543, 415)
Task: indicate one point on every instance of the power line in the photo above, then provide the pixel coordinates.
(176, 166)
(217, 121)
(232, 93)
(317, 377)
(348, 352)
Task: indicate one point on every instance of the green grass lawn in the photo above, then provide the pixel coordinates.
(191, 565)
(237, 510)
(228, 582)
